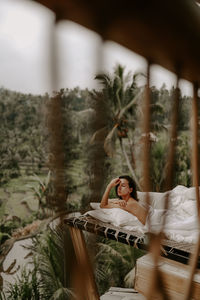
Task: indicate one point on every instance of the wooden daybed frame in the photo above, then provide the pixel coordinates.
(172, 250)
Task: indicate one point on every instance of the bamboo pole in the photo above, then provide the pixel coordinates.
(156, 283)
(146, 183)
(55, 128)
(195, 175)
(83, 278)
(56, 146)
(172, 149)
(146, 146)
(146, 133)
(81, 272)
(87, 289)
(155, 280)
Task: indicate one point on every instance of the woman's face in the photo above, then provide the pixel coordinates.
(123, 188)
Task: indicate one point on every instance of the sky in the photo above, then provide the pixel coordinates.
(26, 30)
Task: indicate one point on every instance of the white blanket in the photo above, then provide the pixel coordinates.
(181, 218)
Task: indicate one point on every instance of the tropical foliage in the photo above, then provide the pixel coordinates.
(26, 287)
(46, 277)
(113, 261)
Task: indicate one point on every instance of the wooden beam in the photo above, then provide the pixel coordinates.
(158, 30)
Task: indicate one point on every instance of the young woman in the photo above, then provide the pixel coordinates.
(125, 188)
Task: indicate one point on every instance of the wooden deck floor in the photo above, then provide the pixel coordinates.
(116, 293)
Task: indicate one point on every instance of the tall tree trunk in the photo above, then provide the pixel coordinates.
(131, 151)
(129, 164)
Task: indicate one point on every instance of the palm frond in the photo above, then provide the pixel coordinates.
(2, 296)
(100, 274)
(99, 135)
(122, 112)
(104, 79)
(108, 249)
(62, 294)
(127, 78)
(118, 97)
(157, 107)
(47, 179)
(37, 178)
(119, 71)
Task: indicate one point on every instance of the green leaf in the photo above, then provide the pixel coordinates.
(62, 293)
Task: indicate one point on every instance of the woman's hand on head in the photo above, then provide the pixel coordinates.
(114, 182)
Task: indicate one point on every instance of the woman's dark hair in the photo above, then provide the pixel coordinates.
(131, 184)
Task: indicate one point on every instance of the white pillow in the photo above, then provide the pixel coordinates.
(115, 216)
(100, 215)
(124, 218)
(179, 190)
(157, 200)
(190, 194)
(95, 205)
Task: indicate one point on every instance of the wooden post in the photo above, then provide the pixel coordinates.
(195, 171)
(156, 282)
(87, 289)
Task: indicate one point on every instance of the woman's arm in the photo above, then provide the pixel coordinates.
(104, 201)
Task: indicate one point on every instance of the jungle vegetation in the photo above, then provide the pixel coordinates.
(114, 138)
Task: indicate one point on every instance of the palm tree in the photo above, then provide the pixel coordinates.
(120, 95)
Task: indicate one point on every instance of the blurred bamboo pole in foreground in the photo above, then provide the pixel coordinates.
(195, 174)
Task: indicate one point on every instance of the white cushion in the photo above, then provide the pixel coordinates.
(95, 205)
(190, 194)
(116, 216)
(157, 200)
(179, 190)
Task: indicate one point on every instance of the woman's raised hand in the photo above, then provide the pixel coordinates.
(114, 182)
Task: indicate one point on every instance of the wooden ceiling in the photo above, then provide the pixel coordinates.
(165, 32)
